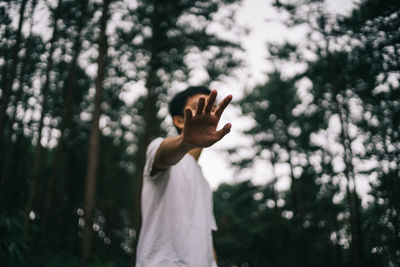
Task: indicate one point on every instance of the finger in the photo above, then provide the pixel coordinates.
(210, 101)
(200, 105)
(188, 114)
(224, 131)
(221, 107)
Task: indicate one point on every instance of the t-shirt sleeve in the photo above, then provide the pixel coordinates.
(150, 155)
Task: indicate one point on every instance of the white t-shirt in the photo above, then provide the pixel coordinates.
(177, 215)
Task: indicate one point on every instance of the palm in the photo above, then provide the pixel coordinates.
(200, 128)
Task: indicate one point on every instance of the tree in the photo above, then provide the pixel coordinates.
(378, 90)
(285, 135)
(12, 72)
(91, 176)
(67, 114)
(353, 85)
(38, 149)
(276, 133)
(33, 48)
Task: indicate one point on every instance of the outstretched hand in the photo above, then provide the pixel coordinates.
(200, 127)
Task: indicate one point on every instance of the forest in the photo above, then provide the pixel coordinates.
(84, 87)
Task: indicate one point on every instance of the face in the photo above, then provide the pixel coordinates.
(191, 102)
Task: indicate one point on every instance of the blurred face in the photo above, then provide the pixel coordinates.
(191, 102)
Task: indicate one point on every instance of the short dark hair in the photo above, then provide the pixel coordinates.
(178, 102)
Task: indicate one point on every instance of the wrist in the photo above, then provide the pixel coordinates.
(185, 145)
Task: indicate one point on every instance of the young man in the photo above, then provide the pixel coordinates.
(177, 212)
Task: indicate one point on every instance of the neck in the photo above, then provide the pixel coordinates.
(195, 153)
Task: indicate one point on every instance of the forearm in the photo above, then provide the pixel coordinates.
(170, 152)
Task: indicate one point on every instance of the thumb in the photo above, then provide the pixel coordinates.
(224, 131)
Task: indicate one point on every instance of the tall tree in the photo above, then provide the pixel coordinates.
(70, 87)
(376, 63)
(38, 148)
(12, 72)
(91, 176)
(334, 98)
(285, 135)
(26, 66)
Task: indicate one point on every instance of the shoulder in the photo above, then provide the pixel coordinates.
(150, 156)
(153, 146)
(155, 142)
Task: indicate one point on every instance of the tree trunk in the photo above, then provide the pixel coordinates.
(9, 144)
(39, 148)
(302, 256)
(91, 176)
(59, 162)
(352, 197)
(152, 82)
(277, 220)
(5, 99)
(334, 247)
(150, 114)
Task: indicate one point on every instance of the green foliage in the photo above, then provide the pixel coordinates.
(351, 103)
(241, 227)
(12, 249)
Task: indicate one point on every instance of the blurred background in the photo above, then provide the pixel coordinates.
(309, 176)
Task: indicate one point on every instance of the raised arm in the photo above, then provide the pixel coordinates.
(199, 130)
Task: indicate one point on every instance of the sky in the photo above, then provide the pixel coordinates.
(262, 20)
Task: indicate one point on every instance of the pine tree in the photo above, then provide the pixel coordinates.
(38, 148)
(91, 177)
(67, 114)
(12, 71)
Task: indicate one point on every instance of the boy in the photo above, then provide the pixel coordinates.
(177, 212)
